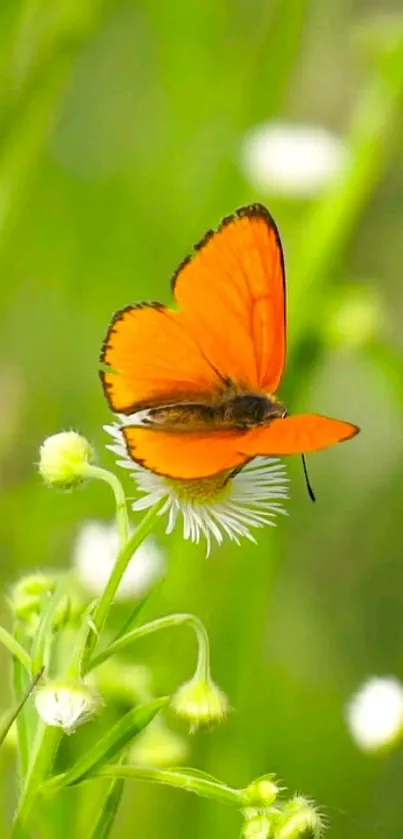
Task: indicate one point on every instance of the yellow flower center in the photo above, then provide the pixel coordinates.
(202, 490)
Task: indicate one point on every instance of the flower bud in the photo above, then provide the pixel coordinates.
(28, 596)
(66, 704)
(64, 459)
(299, 820)
(201, 703)
(262, 792)
(257, 825)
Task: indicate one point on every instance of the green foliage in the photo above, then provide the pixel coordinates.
(121, 126)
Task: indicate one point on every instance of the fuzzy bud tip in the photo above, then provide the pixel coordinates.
(300, 820)
(64, 458)
(201, 703)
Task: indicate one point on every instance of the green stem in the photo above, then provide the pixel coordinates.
(105, 602)
(171, 777)
(16, 649)
(122, 520)
(25, 719)
(48, 742)
(203, 662)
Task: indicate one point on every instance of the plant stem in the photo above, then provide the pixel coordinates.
(203, 663)
(176, 778)
(122, 520)
(105, 602)
(48, 742)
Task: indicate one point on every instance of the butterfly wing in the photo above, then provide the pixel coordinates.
(197, 455)
(300, 434)
(232, 295)
(184, 456)
(152, 359)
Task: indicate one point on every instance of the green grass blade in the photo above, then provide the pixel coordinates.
(132, 724)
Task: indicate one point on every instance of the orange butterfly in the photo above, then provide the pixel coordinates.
(199, 383)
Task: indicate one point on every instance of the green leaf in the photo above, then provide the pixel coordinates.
(10, 716)
(15, 648)
(132, 620)
(108, 810)
(129, 727)
(45, 629)
(189, 772)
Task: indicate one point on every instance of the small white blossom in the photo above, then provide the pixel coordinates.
(95, 553)
(375, 714)
(295, 161)
(66, 704)
(225, 505)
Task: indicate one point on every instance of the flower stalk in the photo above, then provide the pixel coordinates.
(104, 604)
(181, 779)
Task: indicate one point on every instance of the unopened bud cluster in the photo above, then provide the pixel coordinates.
(29, 596)
(269, 818)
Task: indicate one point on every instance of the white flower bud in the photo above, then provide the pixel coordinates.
(66, 704)
(64, 459)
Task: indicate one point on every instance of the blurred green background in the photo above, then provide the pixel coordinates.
(121, 135)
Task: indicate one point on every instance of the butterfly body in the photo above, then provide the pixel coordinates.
(233, 411)
(172, 372)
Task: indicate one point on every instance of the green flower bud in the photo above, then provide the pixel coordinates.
(200, 703)
(64, 459)
(28, 596)
(66, 704)
(300, 819)
(257, 825)
(262, 792)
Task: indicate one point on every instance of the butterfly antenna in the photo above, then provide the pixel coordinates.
(307, 481)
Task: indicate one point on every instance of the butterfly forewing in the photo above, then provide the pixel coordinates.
(232, 295)
(153, 359)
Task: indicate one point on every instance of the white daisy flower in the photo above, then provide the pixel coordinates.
(375, 713)
(294, 161)
(223, 505)
(94, 555)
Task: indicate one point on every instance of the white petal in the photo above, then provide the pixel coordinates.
(252, 499)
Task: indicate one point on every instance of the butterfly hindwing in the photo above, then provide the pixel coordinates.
(299, 434)
(184, 456)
